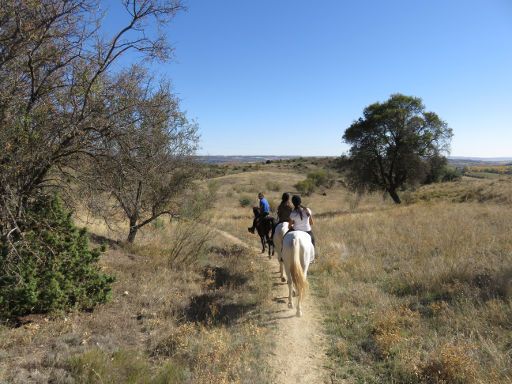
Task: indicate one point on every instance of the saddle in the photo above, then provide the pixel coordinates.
(263, 219)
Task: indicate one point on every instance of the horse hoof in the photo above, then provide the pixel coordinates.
(290, 305)
(283, 280)
(269, 257)
(299, 313)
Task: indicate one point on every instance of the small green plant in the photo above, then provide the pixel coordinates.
(305, 187)
(315, 179)
(158, 224)
(245, 201)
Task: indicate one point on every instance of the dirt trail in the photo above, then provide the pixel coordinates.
(299, 344)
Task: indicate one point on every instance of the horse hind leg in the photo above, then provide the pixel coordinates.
(290, 285)
(281, 271)
(290, 289)
(299, 308)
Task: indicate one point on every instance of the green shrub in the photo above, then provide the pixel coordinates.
(315, 179)
(50, 266)
(305, 187)
(318, 177)
(451, 174)
(321, 178)
(245, 201)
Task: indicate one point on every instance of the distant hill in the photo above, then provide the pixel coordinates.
(484, 159)
(241, 159)
(459, 161)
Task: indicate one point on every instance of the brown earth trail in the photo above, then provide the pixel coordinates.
(299, 345)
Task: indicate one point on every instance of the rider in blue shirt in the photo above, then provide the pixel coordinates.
(264, 210)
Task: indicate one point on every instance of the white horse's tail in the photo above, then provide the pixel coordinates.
(298, 278)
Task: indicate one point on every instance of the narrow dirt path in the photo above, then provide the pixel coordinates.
(299, 354)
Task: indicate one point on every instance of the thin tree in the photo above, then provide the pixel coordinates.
(147, 165)
(54, 62)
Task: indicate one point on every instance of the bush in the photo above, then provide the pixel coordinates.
(318, 178)
(451, 174)
(190, 244)
(50, 267)
(245, 201)
(306, 187)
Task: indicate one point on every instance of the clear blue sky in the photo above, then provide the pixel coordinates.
(283, 77)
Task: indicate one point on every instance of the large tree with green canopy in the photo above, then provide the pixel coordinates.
(395, 143)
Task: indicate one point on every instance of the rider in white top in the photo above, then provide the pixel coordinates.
(301, 217)
(301, 223)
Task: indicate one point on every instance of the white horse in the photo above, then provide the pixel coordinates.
(281, 230)
(297, 253)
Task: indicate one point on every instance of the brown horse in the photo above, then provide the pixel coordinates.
(264, 227)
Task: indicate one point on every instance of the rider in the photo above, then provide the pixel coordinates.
(301, 218)
(264, 211)
(283, 211)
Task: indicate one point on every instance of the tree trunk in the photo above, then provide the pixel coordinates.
(133, 230)
(394, 195)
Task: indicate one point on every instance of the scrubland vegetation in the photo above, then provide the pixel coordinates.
(167, 322)
(417, 293)
(421, 293)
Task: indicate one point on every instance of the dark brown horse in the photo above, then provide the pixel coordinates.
(264, 227)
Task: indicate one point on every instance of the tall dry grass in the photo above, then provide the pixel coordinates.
(419, 294)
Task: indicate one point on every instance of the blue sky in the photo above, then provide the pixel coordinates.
(287, 77)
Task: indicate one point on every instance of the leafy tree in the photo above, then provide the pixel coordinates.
(393, 144)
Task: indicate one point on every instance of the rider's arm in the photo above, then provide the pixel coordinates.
(310, 217)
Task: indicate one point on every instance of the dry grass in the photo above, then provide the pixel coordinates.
(163, 325)
(420, 293)
(467, 190)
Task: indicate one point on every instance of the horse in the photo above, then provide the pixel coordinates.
(264, 227)
(297, 253)
(281, 230)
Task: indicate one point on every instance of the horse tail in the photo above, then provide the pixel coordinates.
(298, 278)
